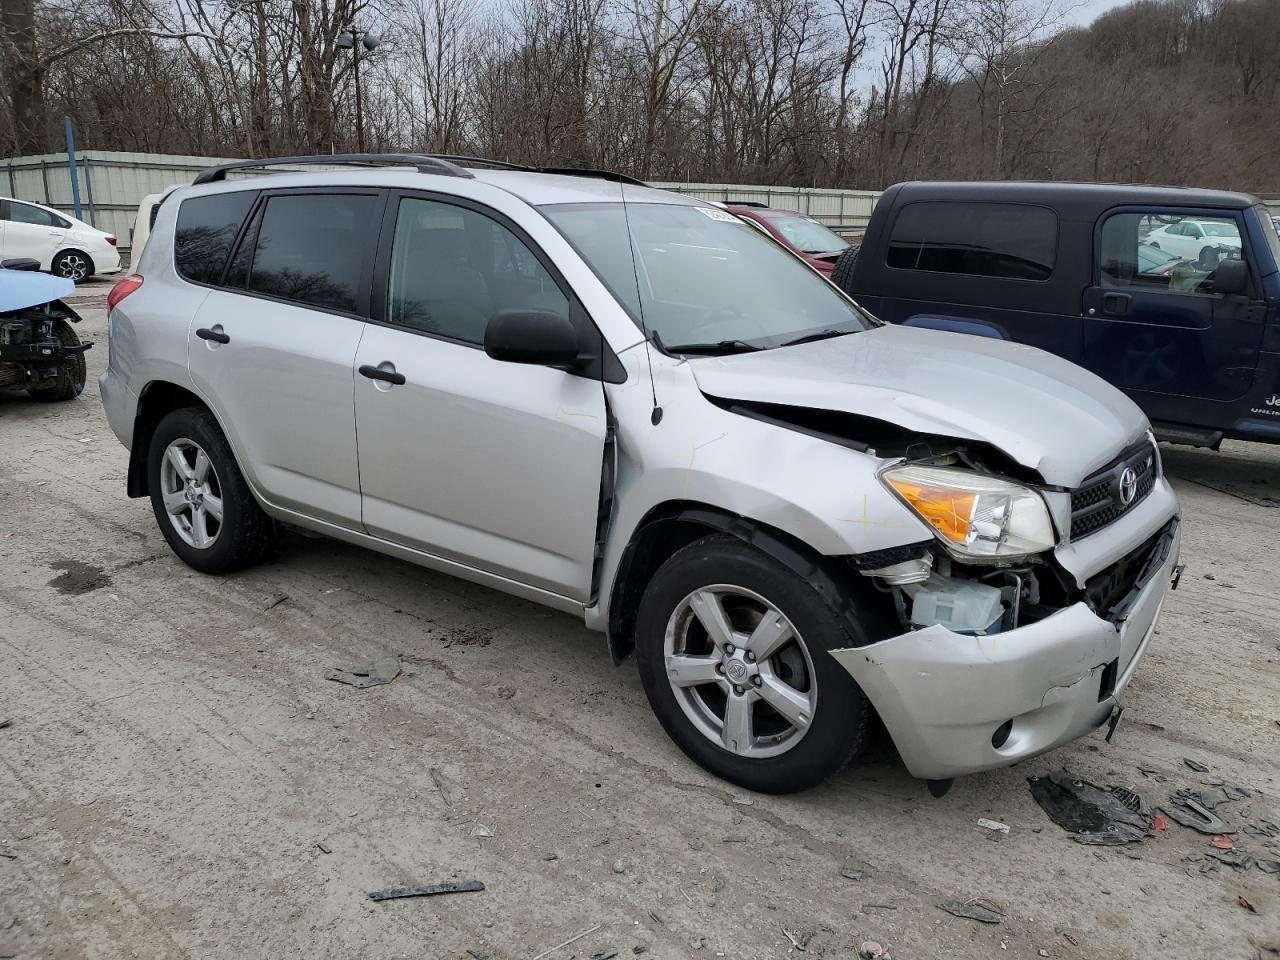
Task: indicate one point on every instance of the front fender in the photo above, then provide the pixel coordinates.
(819, 493)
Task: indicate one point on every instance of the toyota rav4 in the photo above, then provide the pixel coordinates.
(631, 406)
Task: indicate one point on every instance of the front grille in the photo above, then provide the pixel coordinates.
(1111, 592)
(1100, 500)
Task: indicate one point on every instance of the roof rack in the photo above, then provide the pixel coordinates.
(423, 163)
(587, 172)
(463, 160)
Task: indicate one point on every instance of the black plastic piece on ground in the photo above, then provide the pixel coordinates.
(939, 788)
(430, 890)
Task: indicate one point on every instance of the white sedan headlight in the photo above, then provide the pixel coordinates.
(977, 516)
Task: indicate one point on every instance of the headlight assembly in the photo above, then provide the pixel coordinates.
(977, 517)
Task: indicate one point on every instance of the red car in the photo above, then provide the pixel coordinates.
(817, 245)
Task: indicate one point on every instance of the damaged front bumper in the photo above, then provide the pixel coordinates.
(957, 704)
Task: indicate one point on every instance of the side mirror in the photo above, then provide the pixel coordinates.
(1231, 278)
(20, 263)
(531, 336)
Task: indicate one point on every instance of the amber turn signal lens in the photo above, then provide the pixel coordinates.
(948, 511)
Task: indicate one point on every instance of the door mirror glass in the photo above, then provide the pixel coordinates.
(531, 336)
(1231, 278)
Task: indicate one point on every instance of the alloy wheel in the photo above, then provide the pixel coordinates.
(192, 493)
(740, 671)
(73, 266)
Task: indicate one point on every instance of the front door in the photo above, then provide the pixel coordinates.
(273, 346)
(30, 231)
(1153, 325)
(492, 465)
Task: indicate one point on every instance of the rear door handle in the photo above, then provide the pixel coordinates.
(1116, 304)
(216, 335)
(386, 376)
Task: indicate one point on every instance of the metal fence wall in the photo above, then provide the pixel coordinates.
(113, 184)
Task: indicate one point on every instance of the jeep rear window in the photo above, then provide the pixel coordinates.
(1011, 241)
(207, 227)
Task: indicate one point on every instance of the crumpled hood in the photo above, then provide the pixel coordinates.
(1044, 412)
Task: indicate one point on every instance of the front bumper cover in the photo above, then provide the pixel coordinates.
(942, 695)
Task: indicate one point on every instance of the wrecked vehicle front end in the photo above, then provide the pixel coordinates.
(39, 352)
(1046, 540)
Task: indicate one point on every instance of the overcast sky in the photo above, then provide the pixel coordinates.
(1090, 9)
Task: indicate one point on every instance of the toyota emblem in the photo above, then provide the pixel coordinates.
(1128, 486)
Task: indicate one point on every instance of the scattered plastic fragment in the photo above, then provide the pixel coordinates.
(1222, 843)
(1264, 829)
(981, 910)
(1268, 866)
(1158, 823)
(429, 890)
(1195, 765)
(605, 955)
(850, 874)
(1192, 814)
(1232, 859)
(384, 671)
(1212, 797)
(323, 847)
(1246, 904)
(480, 830)
(1093, 814)
(995, 825)
(5, 722)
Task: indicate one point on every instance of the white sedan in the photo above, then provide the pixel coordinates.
(63, 245)
(1204, 240)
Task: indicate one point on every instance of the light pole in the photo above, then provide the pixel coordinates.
(353, 39)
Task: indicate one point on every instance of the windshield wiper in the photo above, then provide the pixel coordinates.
(811, 337)
(721, 346)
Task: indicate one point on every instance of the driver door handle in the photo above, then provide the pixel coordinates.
(386, 376)
(217, 336)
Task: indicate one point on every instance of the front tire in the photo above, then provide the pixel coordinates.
(202, 503)
(733, 650)
(74, 265)
(72, 375)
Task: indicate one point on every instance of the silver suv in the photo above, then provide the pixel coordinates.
(633, 407)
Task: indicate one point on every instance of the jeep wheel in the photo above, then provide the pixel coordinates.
(733, 654)
(201, 500)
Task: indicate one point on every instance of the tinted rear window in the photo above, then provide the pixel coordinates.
(207, 227)
(1008, 240)
(312, 249)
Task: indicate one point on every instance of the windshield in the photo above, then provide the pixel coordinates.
(807, 236)
(1217, 228)
(700, 276)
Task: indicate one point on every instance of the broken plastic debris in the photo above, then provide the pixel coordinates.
(993, 825)
(1246, 904)
(798, 939)
(1195, 765)
(1232, 859)
(1191, 814)
(384, 671)
(429, 890)
(1093, 814)
(981, 910)
(1222, 843)
(1268, 866)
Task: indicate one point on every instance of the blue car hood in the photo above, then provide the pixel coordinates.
(20, 289)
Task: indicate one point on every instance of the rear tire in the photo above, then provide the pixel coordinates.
(766, 752)
(74, 265)
(71, 376)
(202, 503)
(842, 275)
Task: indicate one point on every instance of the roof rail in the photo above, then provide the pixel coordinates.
(747, 203)
(424, 164)
(561, 171)
(598, 174)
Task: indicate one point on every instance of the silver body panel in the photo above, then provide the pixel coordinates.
(492, 471)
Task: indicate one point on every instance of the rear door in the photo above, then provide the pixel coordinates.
(1160, 333)
(30, 231)
(273, 346)
(495, 466)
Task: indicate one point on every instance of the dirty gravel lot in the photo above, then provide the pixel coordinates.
(177, 764)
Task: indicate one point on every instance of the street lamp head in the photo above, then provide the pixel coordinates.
(370, 40)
